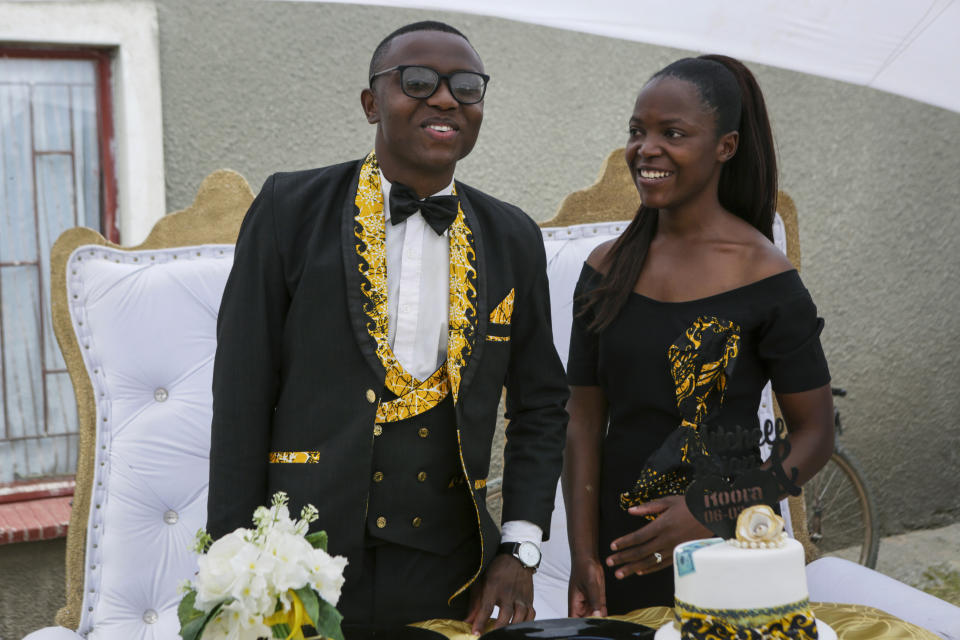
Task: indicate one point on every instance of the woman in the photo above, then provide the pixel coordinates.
(678, 324)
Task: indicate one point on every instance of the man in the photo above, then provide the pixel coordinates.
(364, 338)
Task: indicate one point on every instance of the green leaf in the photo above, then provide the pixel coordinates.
(311, 602)
(186, 609)
(328, 621)
(317, 539)
(193, 629)
(192, 621)
(281, 630)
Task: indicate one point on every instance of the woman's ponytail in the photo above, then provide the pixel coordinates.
(748, 181)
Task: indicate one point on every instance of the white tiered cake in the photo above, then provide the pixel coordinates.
(751, 587)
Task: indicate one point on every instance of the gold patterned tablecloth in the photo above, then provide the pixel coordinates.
(850, 621)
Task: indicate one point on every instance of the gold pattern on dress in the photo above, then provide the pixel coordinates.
(413, 396)
(701, 383)
(701, 363)
(504, 310)
(652, 485)
(498, 338)
(695, 379)
(294, 457)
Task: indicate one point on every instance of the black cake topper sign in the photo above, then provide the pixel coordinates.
(714, 500)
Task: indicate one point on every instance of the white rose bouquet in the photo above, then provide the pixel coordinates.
(265, 582)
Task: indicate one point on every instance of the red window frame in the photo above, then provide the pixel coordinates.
(108, 180)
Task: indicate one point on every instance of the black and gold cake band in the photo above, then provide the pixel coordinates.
(701, 364)
(788, 622)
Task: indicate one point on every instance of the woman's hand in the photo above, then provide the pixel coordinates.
(638, 552)
(587, 595)
(581, 478)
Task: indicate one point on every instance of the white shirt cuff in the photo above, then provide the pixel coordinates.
(521, 531)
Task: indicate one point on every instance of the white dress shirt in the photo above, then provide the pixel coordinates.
(418, 307)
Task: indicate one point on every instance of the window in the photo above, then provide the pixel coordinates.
(56, 172)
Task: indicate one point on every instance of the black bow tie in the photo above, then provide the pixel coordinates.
(438, 211)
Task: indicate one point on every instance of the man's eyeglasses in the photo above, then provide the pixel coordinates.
(467, 87)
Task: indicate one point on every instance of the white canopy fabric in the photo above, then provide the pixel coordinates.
(907, 47)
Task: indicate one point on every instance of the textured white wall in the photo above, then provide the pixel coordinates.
(264, 86)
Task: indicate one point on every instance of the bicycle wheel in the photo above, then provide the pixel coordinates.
(841, 513)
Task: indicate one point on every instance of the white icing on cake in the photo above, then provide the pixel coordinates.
(724, 576)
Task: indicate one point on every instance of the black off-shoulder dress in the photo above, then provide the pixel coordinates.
(664, 366)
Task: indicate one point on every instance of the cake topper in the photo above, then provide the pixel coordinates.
(759, 527)
(725, 485)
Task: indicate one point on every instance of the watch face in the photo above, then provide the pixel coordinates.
(529, 554)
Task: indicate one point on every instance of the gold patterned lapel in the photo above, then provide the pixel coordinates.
(463, 300)
(413, 396)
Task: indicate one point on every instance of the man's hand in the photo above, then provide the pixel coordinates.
(506, 584)
(587, 591)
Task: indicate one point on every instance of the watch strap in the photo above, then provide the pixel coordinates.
(513, 549)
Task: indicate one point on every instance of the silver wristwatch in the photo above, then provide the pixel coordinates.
(526, 552)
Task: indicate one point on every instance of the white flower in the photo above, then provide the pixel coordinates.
(252, 588)
(217, 572)
(253, 571)
(232, 622)
(326, 574)
(759, 523)
(289, 553)
(224, 626)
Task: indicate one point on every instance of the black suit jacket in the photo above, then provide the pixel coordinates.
(295, 363)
